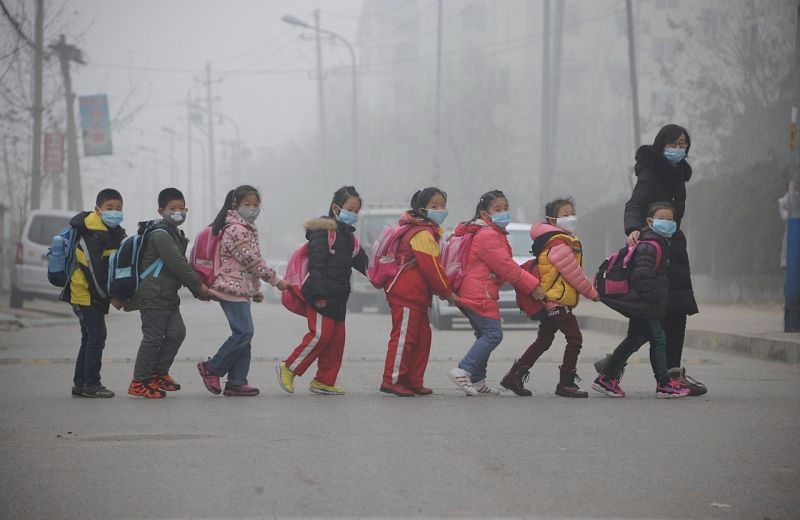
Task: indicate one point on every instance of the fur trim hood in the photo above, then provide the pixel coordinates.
(320, 224)
(648, 158)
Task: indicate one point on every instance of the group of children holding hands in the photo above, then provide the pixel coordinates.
(554, 285)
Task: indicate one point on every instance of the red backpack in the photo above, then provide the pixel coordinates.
(454, 255)
(385, 265)
(204, 257)
(297, 272)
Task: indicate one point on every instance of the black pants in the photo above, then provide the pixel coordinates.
(640, 332)
(675, 329)
(93, 340)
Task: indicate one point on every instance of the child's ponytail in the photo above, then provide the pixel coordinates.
(484, 202)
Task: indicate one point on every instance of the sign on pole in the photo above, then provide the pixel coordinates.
(53, 153)
(95, 125)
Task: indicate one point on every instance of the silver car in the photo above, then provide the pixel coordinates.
(442, 313)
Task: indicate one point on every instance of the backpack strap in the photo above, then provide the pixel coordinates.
(85, 249)
(155, 269)
(332, 240)
(657, 246)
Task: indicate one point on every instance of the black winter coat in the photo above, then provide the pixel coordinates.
(648, 284)
(658, 180)
(96, 241)
(329, 269)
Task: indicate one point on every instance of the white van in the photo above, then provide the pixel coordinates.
(442, 313)
(29, 277)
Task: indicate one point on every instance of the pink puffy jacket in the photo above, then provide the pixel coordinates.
(562, 258)
(241, 262)
(490, 264)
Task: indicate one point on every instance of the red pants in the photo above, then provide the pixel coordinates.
(324, 343)
(409, 347)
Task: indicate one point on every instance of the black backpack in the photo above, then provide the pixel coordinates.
(613, 275)
(124, 265)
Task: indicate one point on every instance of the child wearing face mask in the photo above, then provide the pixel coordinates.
(241, 267)
(157, 300)
(99, 234)
(645, 305)
(489, 265)
(559, 257)
(325, 292)
(409, 294)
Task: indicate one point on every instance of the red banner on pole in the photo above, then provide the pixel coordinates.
(53, 153)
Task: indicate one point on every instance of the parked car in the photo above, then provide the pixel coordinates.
(29, 277)
(371, 222)
(442, 313)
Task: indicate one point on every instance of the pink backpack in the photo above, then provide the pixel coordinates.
(297, 272)
(385, 265)
(204, 257)
(454, 255)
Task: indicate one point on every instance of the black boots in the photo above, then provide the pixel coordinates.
(566, 386)
(516, 378)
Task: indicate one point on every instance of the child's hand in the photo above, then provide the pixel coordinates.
(203, 293)
(596, 299)
(117, 303)
(258, 298)
(633, 238)
(321, 303)
(281, 286)
(539, 295)
(453, 299)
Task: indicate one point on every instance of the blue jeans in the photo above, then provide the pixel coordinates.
(233, 357)
(488, 334)
(640, 332)
(93, 340)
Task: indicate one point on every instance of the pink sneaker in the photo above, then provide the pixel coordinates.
(240, 390)
(209, 379)
(671, 390)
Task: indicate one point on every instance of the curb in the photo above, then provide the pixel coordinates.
(757, 347)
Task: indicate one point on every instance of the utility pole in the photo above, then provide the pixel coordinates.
(558, 37)
(544, 164)
(320, 80)
(36, 163)
(189, 145)
(67, 53)
(437, 130)
(210, 121)
(791, 316)
(171, 134)
(637, 139)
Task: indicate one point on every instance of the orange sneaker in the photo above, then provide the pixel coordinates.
(165, 382)
(148, 391)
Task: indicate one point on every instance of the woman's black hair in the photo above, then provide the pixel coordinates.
(552, 207)
(341, 196)
(233, 198)
(484, 202)
(669, 134)
(421, 199)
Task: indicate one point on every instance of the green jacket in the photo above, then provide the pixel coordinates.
(162, 293)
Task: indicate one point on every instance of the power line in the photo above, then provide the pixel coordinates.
(17, 26)
(446, 22)
(373, 15)
(257, 48)
(194, 71)
(400, 26)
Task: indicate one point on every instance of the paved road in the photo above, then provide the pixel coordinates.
(732, 454)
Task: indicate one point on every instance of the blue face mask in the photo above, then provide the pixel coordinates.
(111, 218)
(665, 228)
(437, 216)
(501, 219)
(347, 217)
(674, 155)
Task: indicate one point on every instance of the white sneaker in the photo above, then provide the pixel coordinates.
(462, 379)
(483, 389)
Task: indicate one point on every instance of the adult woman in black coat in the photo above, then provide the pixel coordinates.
(662, 173)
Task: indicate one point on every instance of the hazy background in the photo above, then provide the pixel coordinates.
(719, 67)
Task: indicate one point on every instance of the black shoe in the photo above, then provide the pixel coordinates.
(77, 390)
(97, 391)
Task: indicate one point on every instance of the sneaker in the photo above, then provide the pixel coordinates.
(244, 390)
(462, 379)
(671, 390)
(285, 377)
(398, 390)
(77, 390)
(483, 389)
(601, 364)
(608, 386)
(165, 382)
(695, 387)
(421, 390)
(209, 379)
(318, 388)
(97, 391)
(148, 391)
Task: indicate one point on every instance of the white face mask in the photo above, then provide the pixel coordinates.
(567, 223)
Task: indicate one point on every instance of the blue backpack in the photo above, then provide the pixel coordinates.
(124, 265)
(62, 262)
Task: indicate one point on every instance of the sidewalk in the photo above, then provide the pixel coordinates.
(753, 331)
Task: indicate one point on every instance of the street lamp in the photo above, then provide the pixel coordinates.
(293, 20)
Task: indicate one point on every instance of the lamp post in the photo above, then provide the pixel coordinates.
(293, 20)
